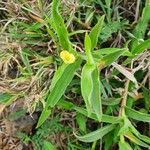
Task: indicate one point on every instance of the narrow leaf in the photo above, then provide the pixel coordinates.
(4, 98)
(95, 32)
(96, 135)
(58, 88)
(96, 94)
(107, 51)
(111, 101)
(62, 83)
(137, 141)
(124, 146)
(60, 27)
(141, 27)
(48, 146)
(44, 115)
(110, 58)
(141, 47)
(105, 118)
(137, 115)
(87, 46)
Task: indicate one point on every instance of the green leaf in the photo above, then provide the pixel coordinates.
(60, 27)
(111, 101)
(58, 74)
(26, 61)
(146, 94)
(87, 85)
(96, 135)
(95, 32)
(135, 140)
(96, 94)
(110, 58)
(48, 146)
(81, 121)
(140, 136)
(105, 118)
(44, 115)
(60, 81)
(61, 84)
(137, 115)
(65, 105)
(90, 88)
(124, 146)
(87, 46)
(108, 143)
(141, 47)
(137, 133)
(4, 98)
(107, 51)
(141, 27)
(144, 138)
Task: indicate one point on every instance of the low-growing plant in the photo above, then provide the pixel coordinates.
(92, 62)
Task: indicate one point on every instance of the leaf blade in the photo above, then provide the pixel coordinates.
(137, 115)
(94, 34)
(96, 135)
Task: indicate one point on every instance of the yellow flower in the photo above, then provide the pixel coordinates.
(67, 57)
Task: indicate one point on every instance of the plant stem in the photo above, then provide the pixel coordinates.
(124, 99)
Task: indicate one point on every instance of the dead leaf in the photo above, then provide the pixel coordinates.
(125, 72)
(2, 107)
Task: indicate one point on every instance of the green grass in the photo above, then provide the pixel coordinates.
(97, 90)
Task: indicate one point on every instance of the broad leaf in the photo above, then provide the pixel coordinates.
(87, 85)
(90, 88)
